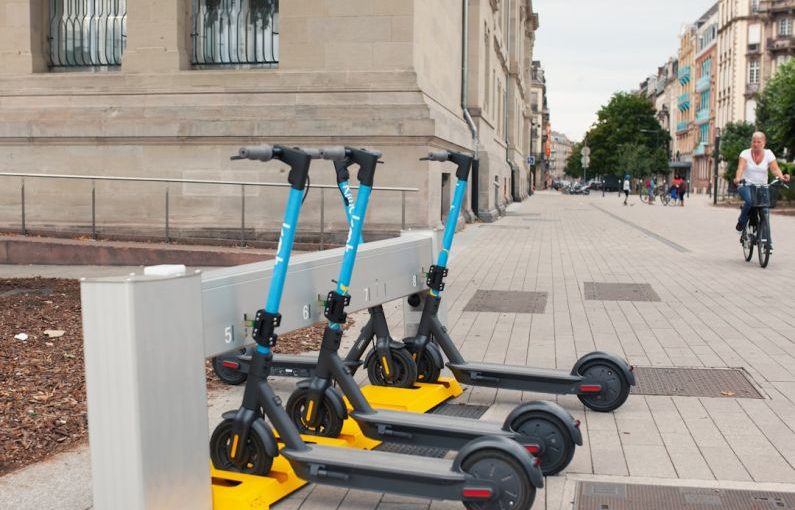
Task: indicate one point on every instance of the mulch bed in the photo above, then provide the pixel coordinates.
(42, 378)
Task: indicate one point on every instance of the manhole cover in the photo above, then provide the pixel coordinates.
(694, 382)
(526, 214)
(507, 301)
(604, 291)
(613, 496)
(457, 410)
(503, 227)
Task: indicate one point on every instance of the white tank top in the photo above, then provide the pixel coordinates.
(757, 174)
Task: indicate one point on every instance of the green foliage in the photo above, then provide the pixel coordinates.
(787, 194)
(635, 160)
(734, 138)
(574, 164)
(628, 120)
(775, 111)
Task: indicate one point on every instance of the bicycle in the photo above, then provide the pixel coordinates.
(658, 191)
(757, 231)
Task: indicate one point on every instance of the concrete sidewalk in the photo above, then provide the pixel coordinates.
(715, 310)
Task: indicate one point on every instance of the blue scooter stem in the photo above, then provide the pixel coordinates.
(452, 220)
(286, 238)
(352, 244)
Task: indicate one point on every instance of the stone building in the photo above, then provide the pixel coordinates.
(172, 88)
(705, 58)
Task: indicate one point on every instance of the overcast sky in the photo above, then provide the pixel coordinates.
(590, 49)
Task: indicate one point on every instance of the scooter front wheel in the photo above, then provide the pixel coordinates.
(546, 438)
(330, 424)
(515, 490)
(405, 370)
(615, 387)
(257, 461)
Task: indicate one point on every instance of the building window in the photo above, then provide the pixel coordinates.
(753, 71)
(754, 6)
(235, 32)
(785, 27)
(86, 33)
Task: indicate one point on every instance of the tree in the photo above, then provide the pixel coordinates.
(635, 160)
(574, 164)
(775, 111)
(735, 138)
(627, 119)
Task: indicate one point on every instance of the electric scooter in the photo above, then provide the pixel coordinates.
(601, 380)
(543, 428)
(389, 361)
(489, 472)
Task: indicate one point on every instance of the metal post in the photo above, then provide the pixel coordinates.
(402, 210)
(168, 237)
(24, 228)
(93, 210)
(242, 215)
(716, 157)
(322, 218)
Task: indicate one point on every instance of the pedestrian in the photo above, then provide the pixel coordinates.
(679, 185)
(626, 188)
(650, 188)
(753, 167)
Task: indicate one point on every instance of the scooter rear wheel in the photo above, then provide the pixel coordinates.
(515, 491)
(556, 447)
(615, 387)
(403, 363)
(257, 460)
(231, 376)
(330, 422)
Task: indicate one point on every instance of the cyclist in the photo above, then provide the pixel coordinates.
(753, 167)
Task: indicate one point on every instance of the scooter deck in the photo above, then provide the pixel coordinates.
(234, 491)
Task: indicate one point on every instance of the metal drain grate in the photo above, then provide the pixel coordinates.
(507, 301)
(457, 410)
(503, 227)
(509, 213)
(694, 382)
(616, 496)
(602, 291)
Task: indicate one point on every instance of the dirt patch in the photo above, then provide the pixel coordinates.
(42, 376)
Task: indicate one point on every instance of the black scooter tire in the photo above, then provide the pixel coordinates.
(428, 370)
(557, 447)
(330, 421)
(407, 369)
(516, 490)
(258, 462)
(229, 376)
(610, 375)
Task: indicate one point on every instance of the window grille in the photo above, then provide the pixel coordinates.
(87, 33)
(235, 32)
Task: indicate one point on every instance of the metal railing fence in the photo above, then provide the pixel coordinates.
(166, 222)
(86, 33)
(235, 32)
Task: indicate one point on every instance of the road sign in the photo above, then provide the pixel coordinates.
(531, 160)
(585, 161)
(586, 151)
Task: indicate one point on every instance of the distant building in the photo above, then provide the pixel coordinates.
(705, 58)
(561, 151)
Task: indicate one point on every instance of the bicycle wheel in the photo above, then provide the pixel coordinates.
(763, 240)
(666, 199)
(644, 198)
(747, 239)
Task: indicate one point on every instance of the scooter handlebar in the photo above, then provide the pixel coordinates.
(437, 156)
(336, 153)
(314, 153)
(259, 153)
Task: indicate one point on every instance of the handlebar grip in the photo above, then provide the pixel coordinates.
(261, 152)
(314, 153)
(437, 156)
(336, 153)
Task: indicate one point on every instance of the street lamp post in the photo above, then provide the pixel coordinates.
(716, 157)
